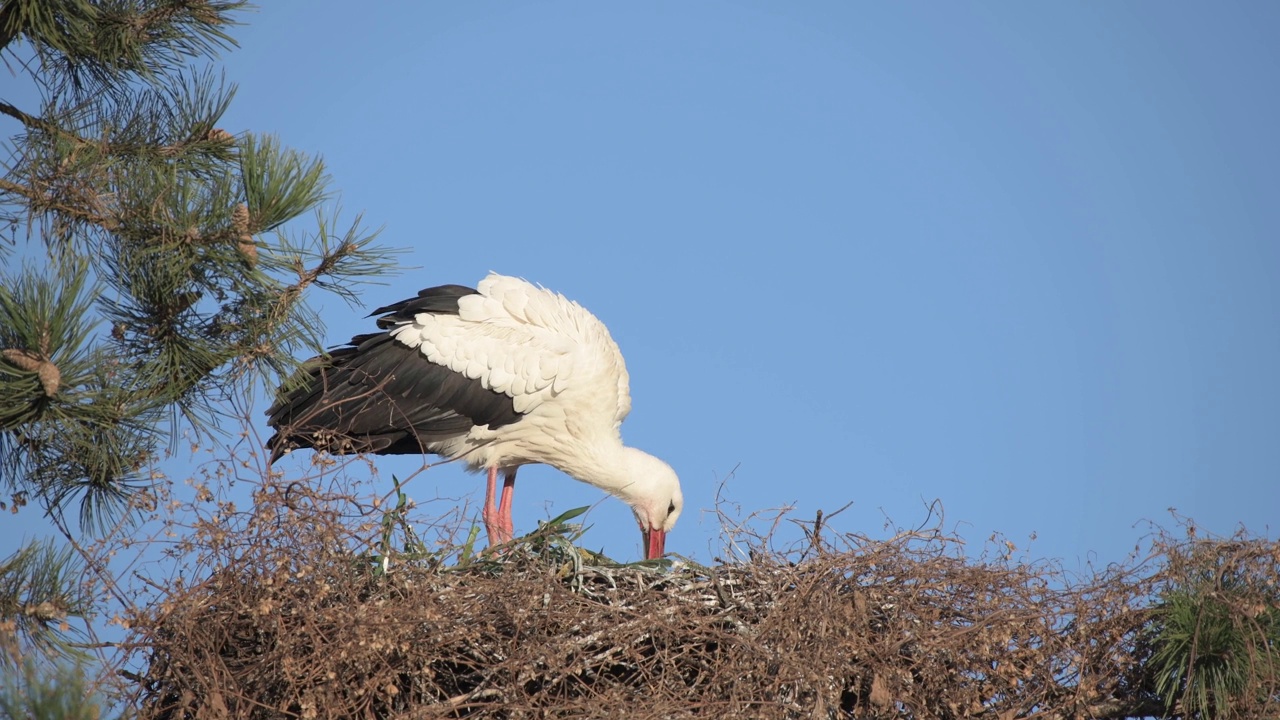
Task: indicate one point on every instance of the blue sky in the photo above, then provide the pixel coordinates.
(1018, 257)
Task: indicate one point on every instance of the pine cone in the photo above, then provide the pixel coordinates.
(50, 376)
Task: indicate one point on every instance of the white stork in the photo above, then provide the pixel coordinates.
(500, 376)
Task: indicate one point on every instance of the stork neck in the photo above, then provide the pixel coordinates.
(606, 465)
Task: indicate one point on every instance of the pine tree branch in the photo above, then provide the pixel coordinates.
(8, 24)
(36, 123)
(41, 202)
(216, 136)
(39, 590)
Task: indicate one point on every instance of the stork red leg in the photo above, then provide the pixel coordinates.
(492, 516)
(504, 505)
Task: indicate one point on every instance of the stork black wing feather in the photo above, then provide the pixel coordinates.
(441, 300)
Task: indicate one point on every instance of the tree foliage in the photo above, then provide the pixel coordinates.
(37, 691)
(155, 262)
(1216, 633)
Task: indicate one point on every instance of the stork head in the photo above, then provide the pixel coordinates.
(653, 492)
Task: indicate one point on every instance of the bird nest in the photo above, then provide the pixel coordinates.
(296, 624)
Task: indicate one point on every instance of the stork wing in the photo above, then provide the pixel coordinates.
(528, 343)
(377, 395)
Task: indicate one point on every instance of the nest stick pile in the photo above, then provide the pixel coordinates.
(902, 628)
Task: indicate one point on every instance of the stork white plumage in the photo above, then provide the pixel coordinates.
(501, 376)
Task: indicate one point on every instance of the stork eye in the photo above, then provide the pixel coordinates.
(671, 508)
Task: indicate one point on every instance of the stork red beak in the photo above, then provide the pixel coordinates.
(655, 542)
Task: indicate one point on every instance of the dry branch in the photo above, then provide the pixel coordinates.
(906, 628)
